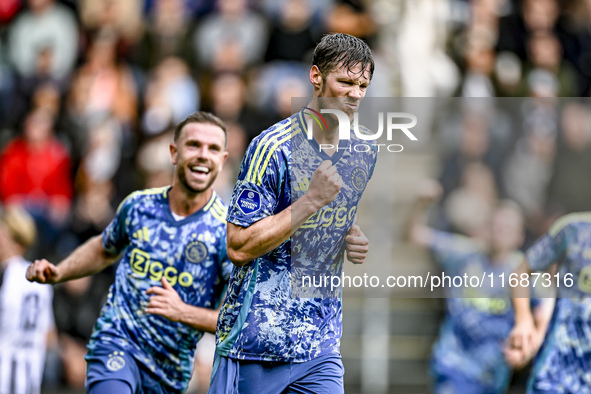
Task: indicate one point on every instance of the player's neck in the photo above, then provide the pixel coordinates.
(184, 202)
(330, 136)
(7, 254)
(324, 135)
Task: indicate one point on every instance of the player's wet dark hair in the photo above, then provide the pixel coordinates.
(339, 49)
(201, 117)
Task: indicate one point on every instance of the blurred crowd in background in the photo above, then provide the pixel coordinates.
(89, 90)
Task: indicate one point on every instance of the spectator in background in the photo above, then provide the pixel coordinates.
(92, 208)
(194, 8)
(545, 53)
(473, 145)
(509, 75)
(583, 60)
(47, 98)
(78, 303)
(540, 15)
(8, 9)
(533, 16)
(7, 85)
(26, 314)
(123, 18)
(527, 169)
(480, 62)
(420, 38)
(484, 17)
(237, 143)
(570, 184)
(153, 161)
(232, 38)
(44, 37)
(106, 85)
(228, 96)
(284, 74)
(228, 102)
(291, 37)
(469, 206)
(351, 17)
(36, 175)
(102, 154)
(167, 34)
(171, 95)
(286, 89)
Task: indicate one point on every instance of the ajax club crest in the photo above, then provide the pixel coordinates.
(359, 178)
(196, 252)
(115, 362)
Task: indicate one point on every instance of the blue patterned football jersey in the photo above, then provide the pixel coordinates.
(563, 364)
(262, 317)
(190, 253)
(477, 321)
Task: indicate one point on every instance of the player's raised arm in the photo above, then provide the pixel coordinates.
(89, 258)
(247, 243)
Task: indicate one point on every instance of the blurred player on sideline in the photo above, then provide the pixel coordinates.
(286, 198)
(563, 363)
(26, 317)
(469, 355)
(174, 236)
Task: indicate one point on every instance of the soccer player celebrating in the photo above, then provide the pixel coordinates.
(145, 337)
(469, 355)
(293, 196)
(26, 314)
(563, 363)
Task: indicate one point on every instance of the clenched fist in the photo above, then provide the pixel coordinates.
(357, 245)
(325, 184)
(42, 271)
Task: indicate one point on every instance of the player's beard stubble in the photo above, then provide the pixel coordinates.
(194, 189)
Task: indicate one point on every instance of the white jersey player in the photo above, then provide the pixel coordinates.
(26, 316)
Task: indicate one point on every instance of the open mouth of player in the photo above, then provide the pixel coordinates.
(199, 172)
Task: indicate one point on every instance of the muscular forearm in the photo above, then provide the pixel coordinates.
(202, 319)
(87, 259)
(247, 243)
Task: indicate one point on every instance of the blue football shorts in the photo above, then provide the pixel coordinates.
(322, 375)
(113, 370)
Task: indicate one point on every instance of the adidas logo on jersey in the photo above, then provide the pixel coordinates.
(143, 234)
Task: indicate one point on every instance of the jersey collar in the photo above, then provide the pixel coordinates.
(344, 145)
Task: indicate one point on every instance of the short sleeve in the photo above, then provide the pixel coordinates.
(115, 235)
(256, 192)
(549, 248)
